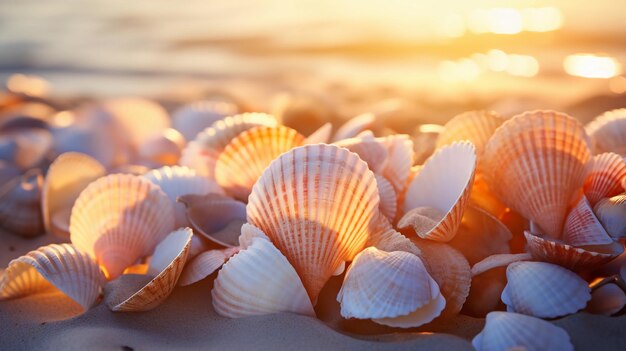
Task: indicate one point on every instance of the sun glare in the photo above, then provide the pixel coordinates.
(591, 66)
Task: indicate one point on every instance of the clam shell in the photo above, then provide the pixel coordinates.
(166, 266)
(20, 204)
(369, 150)
(444, 183)
(315, 203)
(607, 300)
(386, 285)
(509, 331)
(67, 176)
(604, 177)
(60, 265)
(205, 264)
(177, 181)
(354, 126)
(321, 135)
(388, 199)
(582, 228)
(399, 160)
(612, 214)
(259, 280)
(195, 117)
(608, 132)
(544, 290)
(535, 162)
(246, 156)
(499, 260)
(120, 218)
(163, 148)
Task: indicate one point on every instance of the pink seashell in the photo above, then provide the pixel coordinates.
(205, 264)
(582, 228)
(604, 177)
(608, 132)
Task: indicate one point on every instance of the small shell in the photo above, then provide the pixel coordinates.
(582, 228)
(67, 176)
(393, 289)
(607, 300)
(612, 214)
(544, 290)
(369, 150)
(163, 148)
(321, 135)
(512, 331)
(445, 183)
(120, 218)
(535, 162)
(166, 266)
(388, 199)
(63, 266)
(195, 117)
(354, 126)
(257, 281)
(246, 156)
(608, 132)
(399, 160)
(499, 260)
(320, 194)
(604, 177)
(20, 204)
(177, 181)
(205, 264)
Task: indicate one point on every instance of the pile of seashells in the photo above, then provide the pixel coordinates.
(521, 214)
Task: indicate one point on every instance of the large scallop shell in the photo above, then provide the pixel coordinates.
(582, 228)
(119, 219)
(445, 183)
(20, 204)
(62, 266)
(259, 280)
(544, 290)
(612, 214)
(608, 132)
(67, 176)
(535, 162)
(205, 264)
(391, 288)
(513, 331)
(315, 203)
(195, 117)
(246, 156)
(604, 177)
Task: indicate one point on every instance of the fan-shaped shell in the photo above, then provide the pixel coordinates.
(370, 150)
(163, 148)
(385, 285)
(608, 132)
(136, 118)
(445, 183)
(354, 126)
(535, 162)
(604, 177)
(205, 264)
(120, 218)
(400, 156)
(259, 280)
(612, 214)
(315, 203)
(510, 331)
(388, 199)
(582, 228)
(20, 204)
(62, 266)
(246, 156)
(384, 237)
(195, 117)
(67, 176)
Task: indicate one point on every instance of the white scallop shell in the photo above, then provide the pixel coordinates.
(582, 228)
(399, 160)
(388, 198)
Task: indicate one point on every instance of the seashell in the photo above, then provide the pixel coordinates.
(354, 126)
(485, 291)
(606, 298)
(166, 266)
(32, 146)
(118, 219)
(422, 219)
(60, 265)
(582, 228)
(67, 176)
(498, 260)
(388, 199)
(573, 258)
(215, 217)
(384, 237)
(20, 204)
(195, 117)
(445, 183)
(544, 290)
(391, 288)
(246, 156)
(163, 148)
(205, 264)
(425, 141)
(177, 181)
(535, 162)
(604, 177)
(321, 135)
(612, 214)
(400, 156)
(259, 280)
(449, 269)
(509, 331)
(608, 132)
(481, 235)
(484, 197)
(131, 169)
(320, 194)
(248, 233)
(369, 150)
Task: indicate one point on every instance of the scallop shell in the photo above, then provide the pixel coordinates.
(582, 228)
(246, 156)
(315, 203)
(321, 135)
(399, 160)
(608, 132)
(205, 264)
(535, 162)
(163, 148)
(392, 288)
(166, 265)
(177, 181)
(20, 204)
(384, 237)
(604, 177)
(120, 218)
(499, 260)
(195, 117)
(369, 150)
(354, 126)
(612, 214)
(512, 331)
(607, 300)
(248, 233)
(67, 176)
(259, 280)
(137, 119)
(388, 199)
(62, 266)
(445, 183)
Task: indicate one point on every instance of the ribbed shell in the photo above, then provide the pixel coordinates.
(67, 176)
(512, 331)
(612, 214)
(354, 126)
(399, 160)
(119, 219)
(195, 117)
(388, 199)
(248, 233)
(608, 132)
(582, 228)
(544, 290)
(444, 183)
(245, 158)
(62, 266)
(315, 203)
(604, 177)
(370, 150)
(257, 281)
(535, 162)
(384, 237)
(20, 204)
(205, 264)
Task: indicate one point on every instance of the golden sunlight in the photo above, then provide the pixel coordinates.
(591, 66)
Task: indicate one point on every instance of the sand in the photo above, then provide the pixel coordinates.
(186, 321)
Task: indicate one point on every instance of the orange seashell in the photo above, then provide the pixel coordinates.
(604, 177)
(608, 132)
